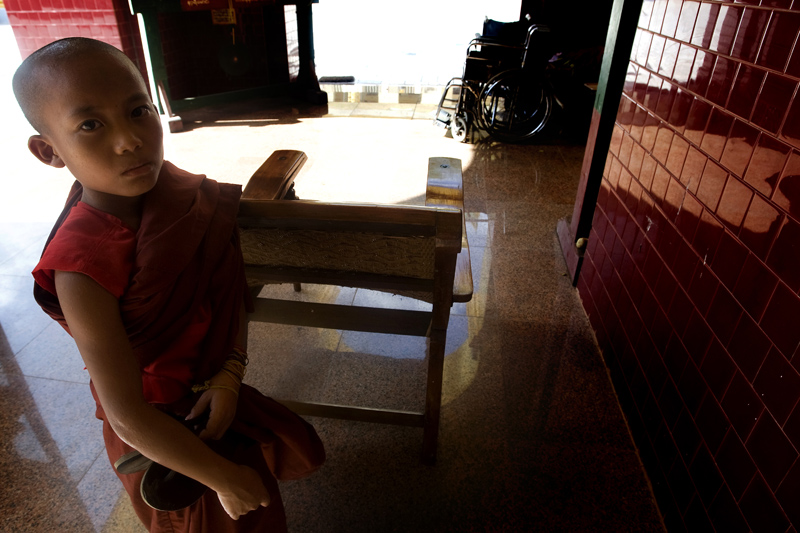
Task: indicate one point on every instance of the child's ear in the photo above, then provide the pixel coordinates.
(43, 151)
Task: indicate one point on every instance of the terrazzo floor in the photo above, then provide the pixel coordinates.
(532, 437)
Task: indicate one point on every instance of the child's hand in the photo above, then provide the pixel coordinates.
(221, 404)
(245, 495)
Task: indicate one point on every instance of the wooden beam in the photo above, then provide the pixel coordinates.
(361, 414)
(331, 316)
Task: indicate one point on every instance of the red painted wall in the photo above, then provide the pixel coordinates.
(692, 270)
(38, 22)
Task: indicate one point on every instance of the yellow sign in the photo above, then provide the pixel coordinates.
(223, 16)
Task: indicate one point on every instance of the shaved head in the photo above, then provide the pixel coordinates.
(41, 71)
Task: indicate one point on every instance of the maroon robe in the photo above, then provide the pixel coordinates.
(184, 271)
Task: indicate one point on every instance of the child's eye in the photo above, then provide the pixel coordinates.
(90, 125)
(141, 111)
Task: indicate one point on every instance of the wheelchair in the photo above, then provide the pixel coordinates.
(504, 90)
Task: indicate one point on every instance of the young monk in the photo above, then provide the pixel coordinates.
(143, 268)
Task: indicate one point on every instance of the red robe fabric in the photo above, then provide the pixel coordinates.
(180, 283)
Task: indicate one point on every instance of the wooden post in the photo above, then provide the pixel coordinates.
(574, 235)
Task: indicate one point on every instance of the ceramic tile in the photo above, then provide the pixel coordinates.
(671, 17)
(725, 30)
(760, 226)
(686, 260)
(712, 423)
(778, 40)
(777, 384)
(748, 347)
(754, 286)
(389, 371)
(716, 134)
(753, 23)
(746, 87)
(686, 21)
(773, 101)
(699, 113)
(733, 203)
(729, 259)
(679, 115)
(723, 314)
(759, 506)
(791, 130)
(721, 80)
(704, 285)
(290, 362)
(101, 500)
(739, 147)
(704, 26)
(18, 237)
(788, 490)
(688, 216)
(653, 92)
(53, 355)
(523, 225)
(701, 72)
(641, 84)
(668, 59)
(766, 164)
(726, 514)
(783, 254)
(663, 143)
(735, 464)
(677, 155)
(788, 189)
(21, 319)
(718, 368)
(778, 318)
(711, 184)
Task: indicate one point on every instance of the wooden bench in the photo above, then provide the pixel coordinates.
(418, 251)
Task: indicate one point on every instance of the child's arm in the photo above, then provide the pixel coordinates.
(93, 316)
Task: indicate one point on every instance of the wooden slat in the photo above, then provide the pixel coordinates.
(369, 319)
(445, 189)
(357, 217)
(275, 176)
(265, 275)
(361, 414)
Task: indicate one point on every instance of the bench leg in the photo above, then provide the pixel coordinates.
(433, 397)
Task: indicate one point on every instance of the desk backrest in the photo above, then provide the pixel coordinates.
(401, 248)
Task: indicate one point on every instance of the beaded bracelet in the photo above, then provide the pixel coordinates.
(239, 354)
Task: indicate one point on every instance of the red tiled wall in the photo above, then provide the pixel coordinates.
(38, 22)
(692, 269)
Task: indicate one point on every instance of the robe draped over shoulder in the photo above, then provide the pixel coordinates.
(180, 284)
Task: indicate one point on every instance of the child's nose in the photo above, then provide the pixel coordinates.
(127, 140)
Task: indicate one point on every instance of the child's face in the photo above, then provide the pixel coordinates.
(102, 125)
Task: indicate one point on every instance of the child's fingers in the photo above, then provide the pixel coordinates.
(199, 407)
(218, 423)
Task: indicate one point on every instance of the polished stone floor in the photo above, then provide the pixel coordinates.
(532, 437)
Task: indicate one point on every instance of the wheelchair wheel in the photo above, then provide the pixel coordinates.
(459, 128)
(515, 105)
